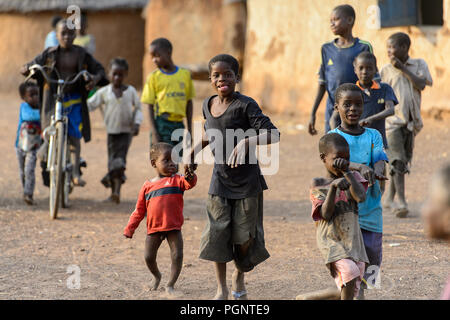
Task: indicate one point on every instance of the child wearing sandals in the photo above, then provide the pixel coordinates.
(234, 228)
(161, 200)
(335, 212)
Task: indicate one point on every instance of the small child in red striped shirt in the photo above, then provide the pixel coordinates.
(161, 199)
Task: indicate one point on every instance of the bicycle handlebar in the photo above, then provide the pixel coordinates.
(63, 82)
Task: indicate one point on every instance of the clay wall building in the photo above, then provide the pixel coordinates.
(282, 50)
(118, 28)
(198, 30)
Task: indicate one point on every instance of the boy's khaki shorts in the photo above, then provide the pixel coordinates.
(401, 144)
(233, 222)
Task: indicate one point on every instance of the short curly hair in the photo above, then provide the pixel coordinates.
(345, 87)
(162, 43)
(24, 86)
(332, 140)
(401, 39)
(120, 62)
(232, 61)
(157, 148)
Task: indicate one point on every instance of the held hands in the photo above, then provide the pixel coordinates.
(189, 171)
(238, 154)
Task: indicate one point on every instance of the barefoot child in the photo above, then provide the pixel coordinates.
(436, 212)
(335, 210)
(408, 77)
(234, 229)
(161, 199)
(122, 117)
(337, 61)
(368, 157)
(28, 138)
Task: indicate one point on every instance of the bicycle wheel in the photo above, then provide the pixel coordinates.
(56, 169)
(66, 189)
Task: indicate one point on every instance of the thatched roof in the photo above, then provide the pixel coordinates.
(61, 5)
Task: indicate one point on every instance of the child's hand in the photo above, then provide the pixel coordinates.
(341, 183)
(24, 70)
(238, 154)
(380, 176)
(311, 126)
(189, 171)
(397, 63)
(89, 81)
(135, 129)
(341, 164)
(365, 122)
(368, 174)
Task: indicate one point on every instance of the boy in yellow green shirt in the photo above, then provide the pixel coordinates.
(168, 92)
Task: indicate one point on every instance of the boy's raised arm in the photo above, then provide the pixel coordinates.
(357, 190)
(418, 82)
(328, 206)
(387, 112)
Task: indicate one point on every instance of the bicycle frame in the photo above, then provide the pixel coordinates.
(58, 157)
(50, 131)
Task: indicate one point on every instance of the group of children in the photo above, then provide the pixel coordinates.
(346, 203)
(378, 121)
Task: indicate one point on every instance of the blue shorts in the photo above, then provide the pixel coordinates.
(373, 243)
(72, 109)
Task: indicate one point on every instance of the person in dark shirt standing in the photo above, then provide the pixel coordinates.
(337, 62)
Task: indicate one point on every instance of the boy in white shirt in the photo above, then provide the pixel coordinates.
(122, 117)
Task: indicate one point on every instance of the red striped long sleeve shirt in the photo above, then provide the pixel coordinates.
(162, 202)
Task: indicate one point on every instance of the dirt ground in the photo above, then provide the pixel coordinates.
(36, 252)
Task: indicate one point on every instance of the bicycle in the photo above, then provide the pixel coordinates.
(58, 157)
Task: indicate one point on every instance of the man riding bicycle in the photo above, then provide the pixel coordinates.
(62, 62)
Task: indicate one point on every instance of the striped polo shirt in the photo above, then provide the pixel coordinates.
(162, 202)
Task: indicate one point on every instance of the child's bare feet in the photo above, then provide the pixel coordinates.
(238, 286)
(222, 294)
(171, 293)
(156, 281)
(388, 204)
